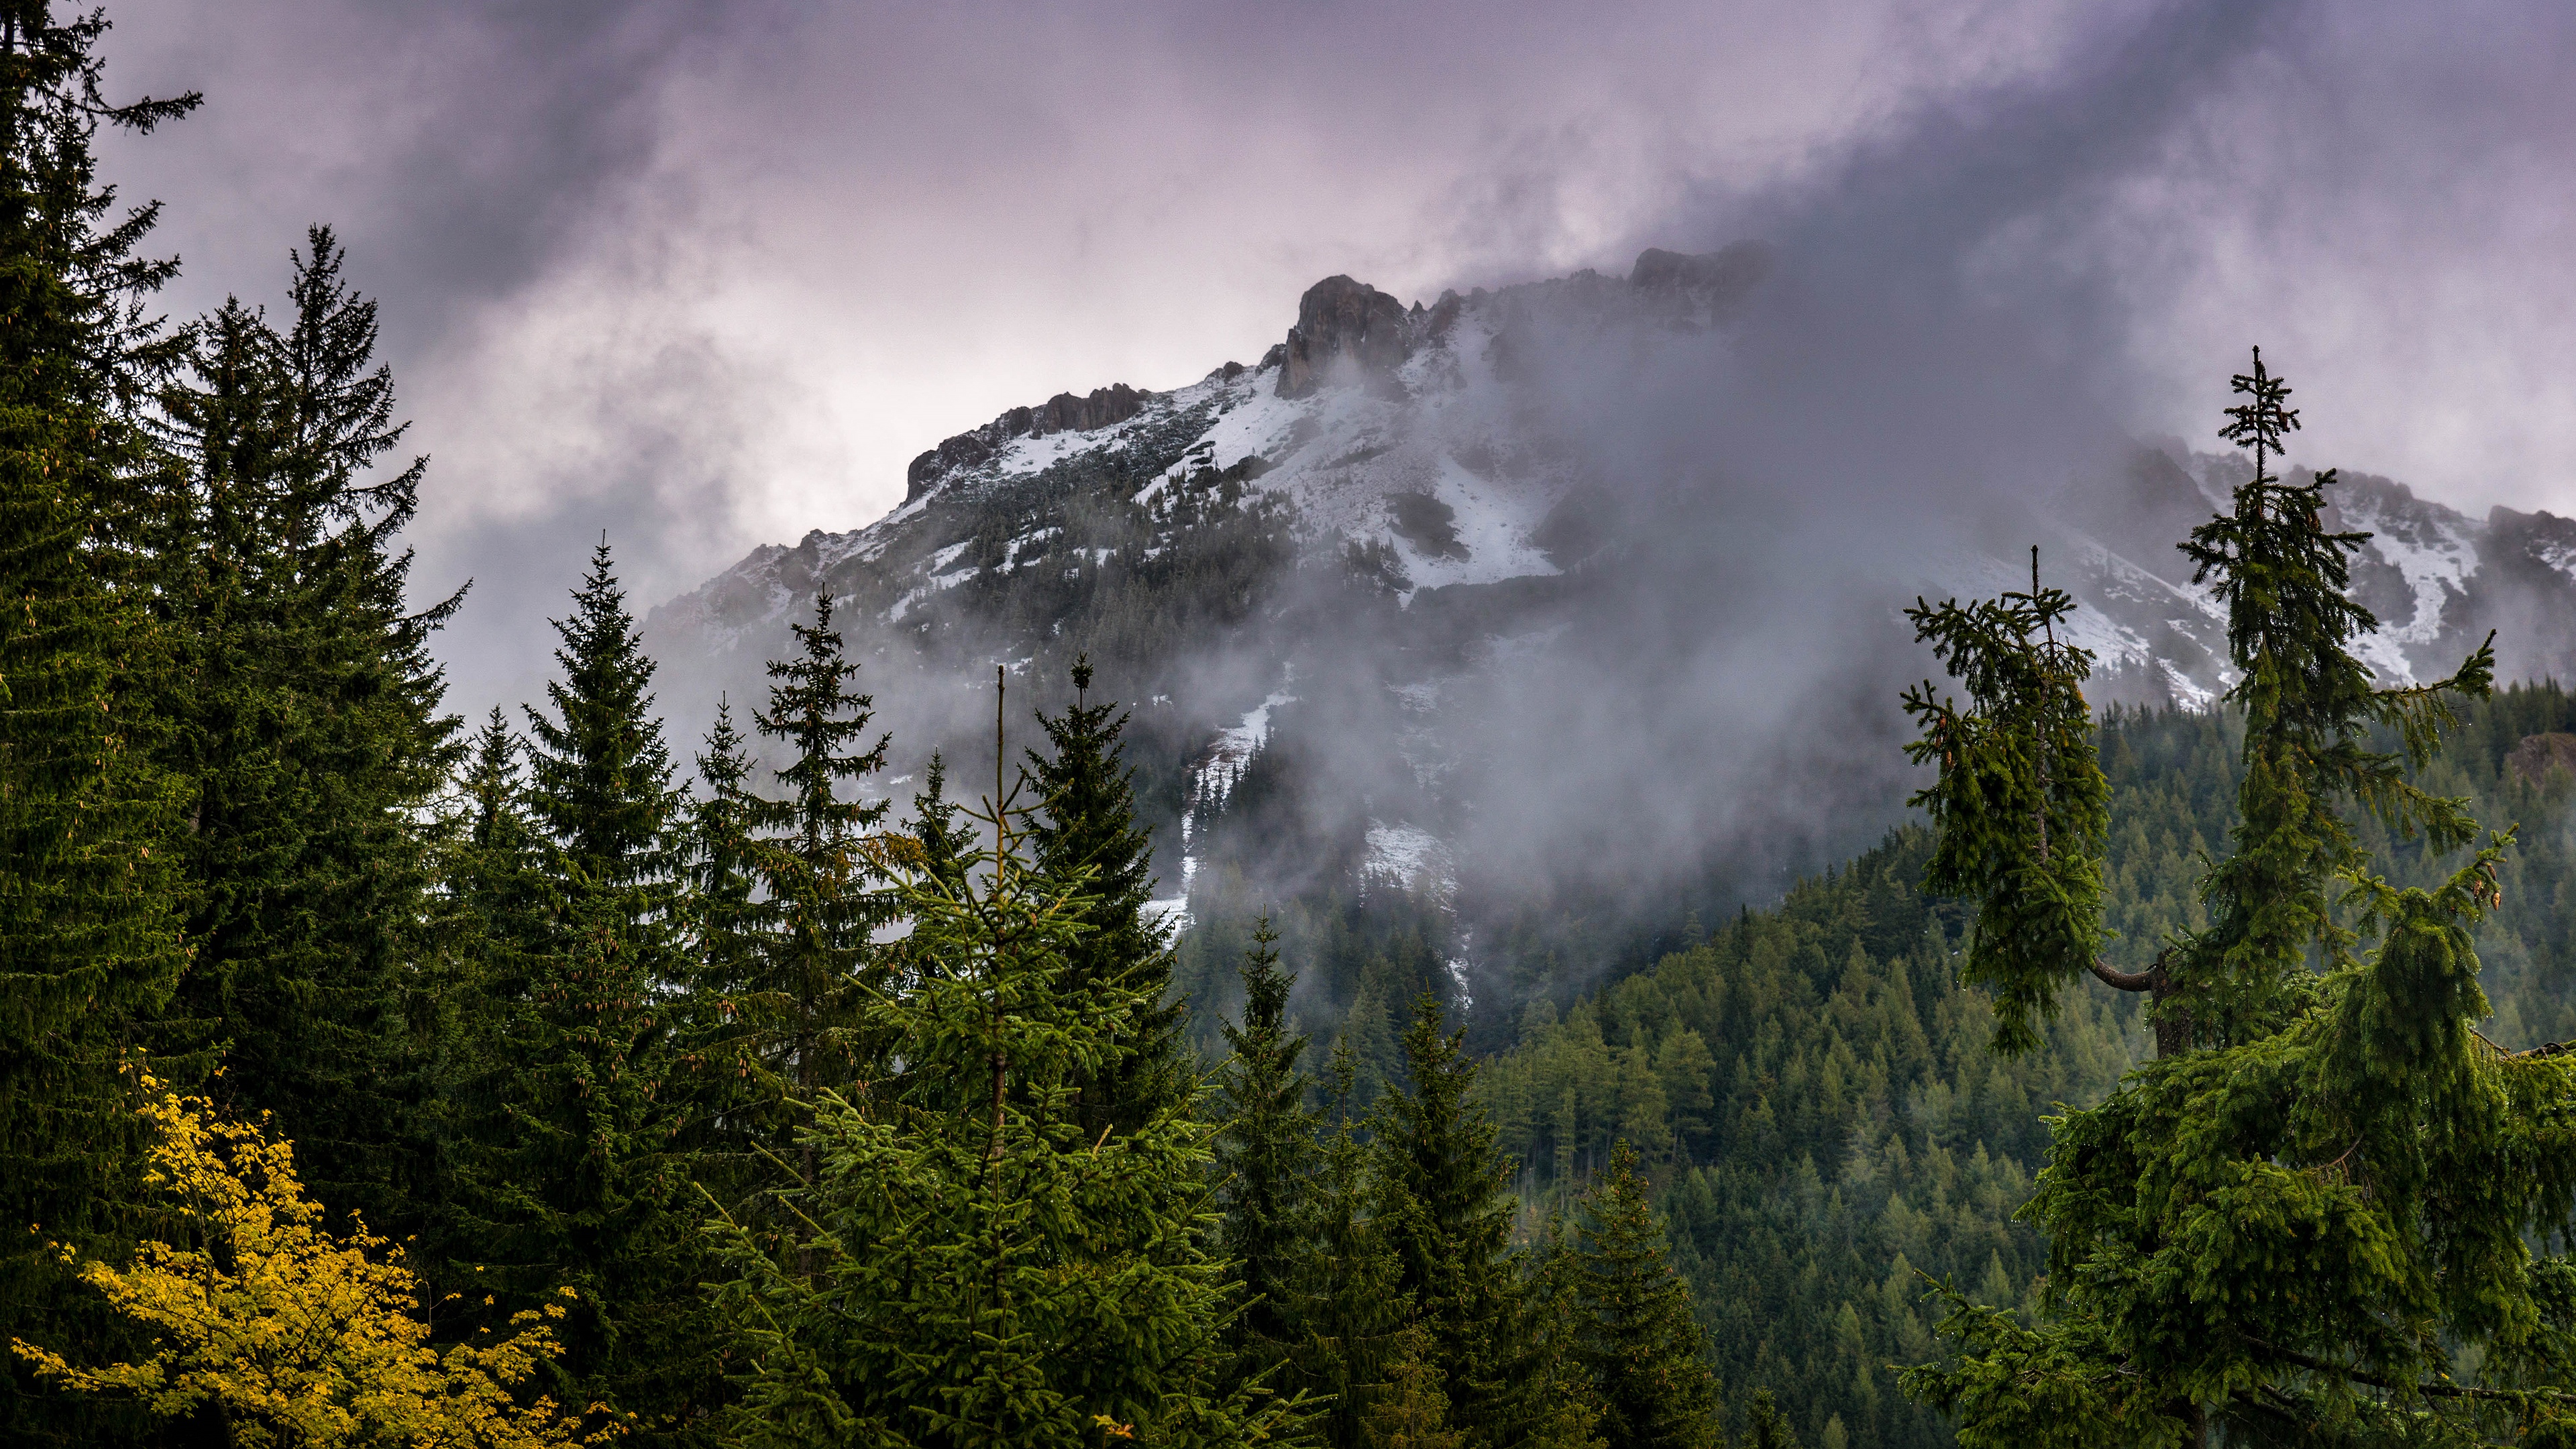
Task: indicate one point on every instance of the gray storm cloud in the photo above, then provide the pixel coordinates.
(705, 275)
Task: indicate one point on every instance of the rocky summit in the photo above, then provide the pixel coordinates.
(1438, 544)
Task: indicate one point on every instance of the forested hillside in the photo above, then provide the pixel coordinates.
(1813, 1090)
(367, 1078)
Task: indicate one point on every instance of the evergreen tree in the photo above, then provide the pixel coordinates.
(1345, 1285)
(496, 900)
(1642, 1346)
(1560, 1407)
(1447, 1216)
(799, 1027)
(1765, 1427)
(89, 946)
(990, 1271)
(1089, 826)
(1410, 1412)
(944, 847)
(600, 775)
(1265, 1156)
(723, 958)
(308, 720)
(574, 1166)
(721, 875)
(2316, 1205)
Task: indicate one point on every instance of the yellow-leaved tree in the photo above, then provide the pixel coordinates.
(299, 1337)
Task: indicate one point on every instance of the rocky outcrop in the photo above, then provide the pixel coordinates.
(1062, 413)
(2537, 755)
(1731, 271)
(1347, 323)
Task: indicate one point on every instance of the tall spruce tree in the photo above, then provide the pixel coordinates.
(495, 917)
(1089, 826)
(89, 945)
(1559, 1403)
(573, 1165)
(600, 775)
(799, 1020)
(307, 713)
(2313, 1214)
(1345, 1288)
(1266, 1155)
(991, 1271)
(1446, 1212)
(721, 878)
(1643, 1349)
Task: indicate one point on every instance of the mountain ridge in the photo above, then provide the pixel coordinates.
(1419, 513)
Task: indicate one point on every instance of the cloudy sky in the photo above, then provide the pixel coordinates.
(705, 275)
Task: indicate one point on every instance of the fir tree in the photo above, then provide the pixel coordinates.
(1644, 1349)
(1088, 834)
(2305, 1214)
(723, 958)
(1265, 1155)
(89, 946)
(990, 1271)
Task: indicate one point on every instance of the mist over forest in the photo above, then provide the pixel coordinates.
(1670, 733)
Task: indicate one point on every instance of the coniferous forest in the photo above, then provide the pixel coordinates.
(374, 1076)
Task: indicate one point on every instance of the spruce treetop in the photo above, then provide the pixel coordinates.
(601, 774)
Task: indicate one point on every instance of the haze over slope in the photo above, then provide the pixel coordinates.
(1568, 587)
(707, 275)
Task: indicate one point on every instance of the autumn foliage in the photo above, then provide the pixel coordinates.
(298, 1337)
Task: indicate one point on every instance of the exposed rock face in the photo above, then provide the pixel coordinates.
(1341, 319)
(1062, 413)
(1065, 413)
(1693, 291)
(1729, 273)
(2537, 755)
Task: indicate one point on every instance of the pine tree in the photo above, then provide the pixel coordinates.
(2316, 1204)
(573, 1164)
(89, 946)
(1088, 797)
(799, 1027)
(1266, 1156)
(990, 1271)
(1644, 1349)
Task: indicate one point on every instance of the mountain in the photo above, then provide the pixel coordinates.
(1536, 636)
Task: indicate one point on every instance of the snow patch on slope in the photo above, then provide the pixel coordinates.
(1410, 857)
